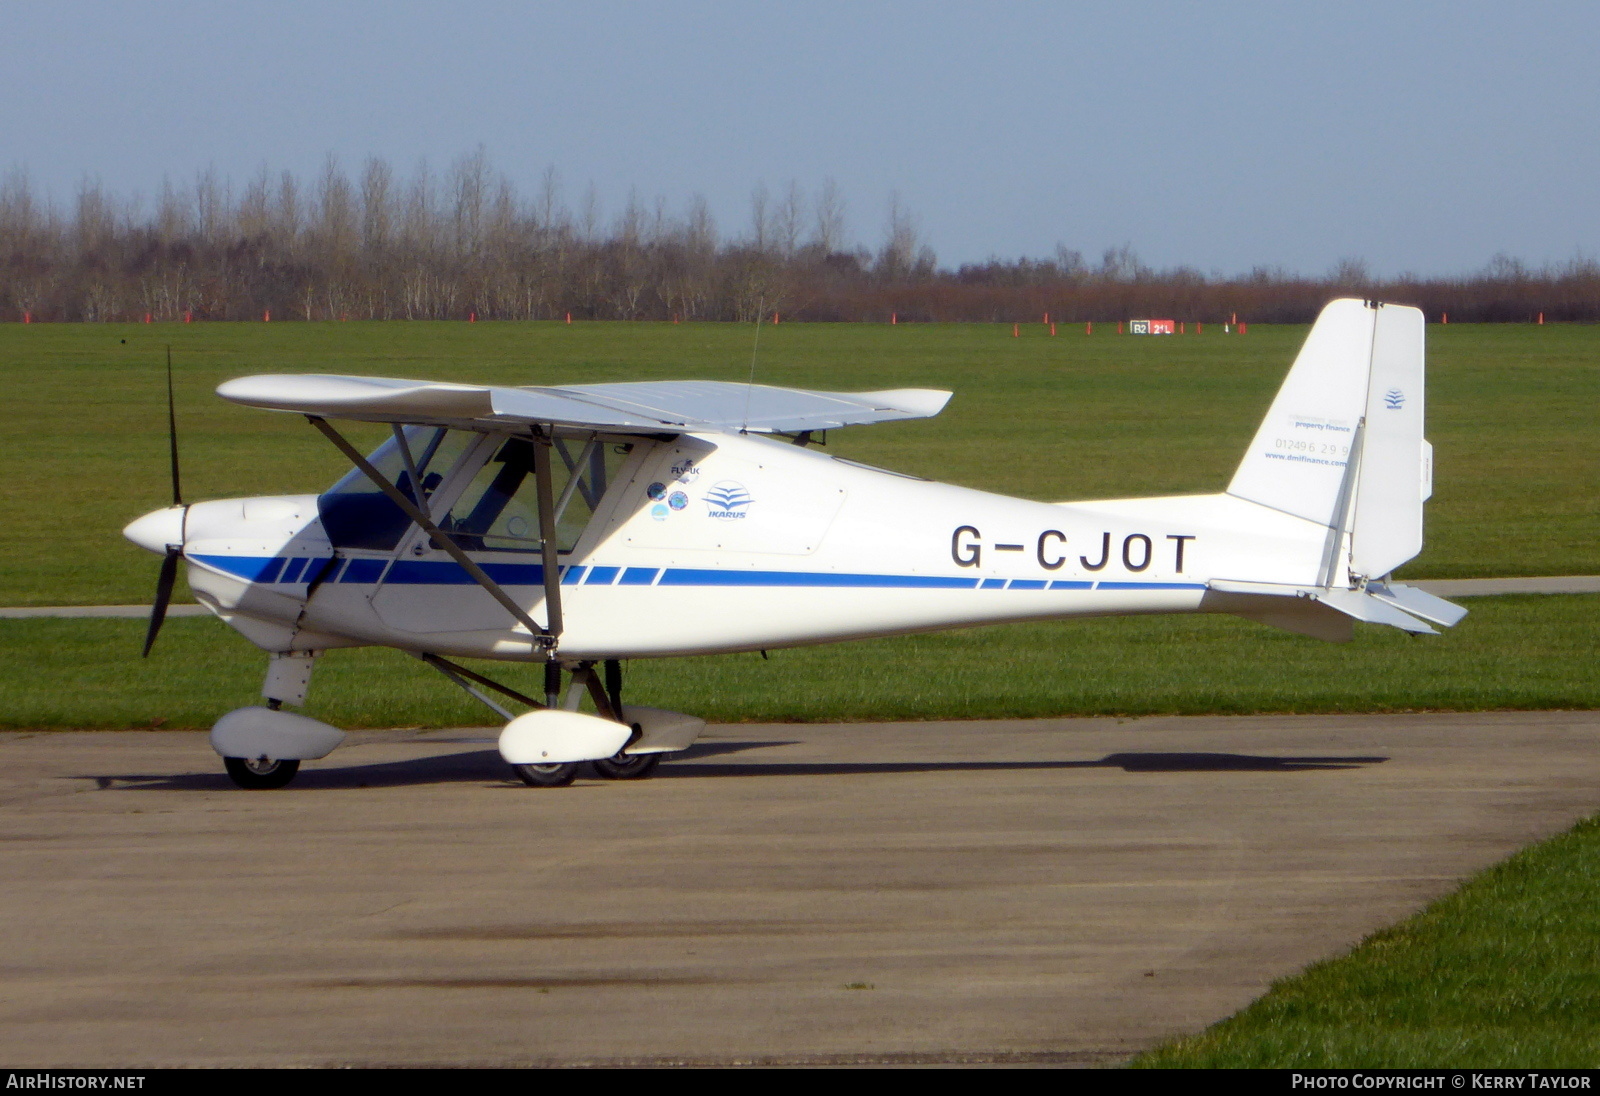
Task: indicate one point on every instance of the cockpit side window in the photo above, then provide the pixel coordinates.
(583, 471)
(499, 510)
(356, 514)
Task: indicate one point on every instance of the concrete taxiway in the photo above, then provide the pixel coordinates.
(1065, 891)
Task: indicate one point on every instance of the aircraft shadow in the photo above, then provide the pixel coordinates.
(480, 766)
(469, 766)
(1127, 762)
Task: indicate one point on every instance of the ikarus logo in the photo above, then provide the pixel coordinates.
(728, 501)
(1394, 399)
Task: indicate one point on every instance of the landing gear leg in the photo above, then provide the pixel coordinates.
(552, 684)
(622, 766)
(288, 677)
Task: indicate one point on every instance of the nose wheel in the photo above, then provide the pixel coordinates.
(262, 773)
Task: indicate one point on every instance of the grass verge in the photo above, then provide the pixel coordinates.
(1504, 973)
(1513, 652)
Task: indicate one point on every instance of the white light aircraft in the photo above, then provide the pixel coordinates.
(581, 525)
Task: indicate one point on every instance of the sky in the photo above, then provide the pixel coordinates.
(1417, 137)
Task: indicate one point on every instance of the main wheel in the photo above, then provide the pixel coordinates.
(547, 776)
(626, 766)
(260, 773)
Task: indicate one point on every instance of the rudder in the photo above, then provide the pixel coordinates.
(1394, 477)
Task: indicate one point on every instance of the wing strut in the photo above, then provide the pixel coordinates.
(544, 638)
(548, 547)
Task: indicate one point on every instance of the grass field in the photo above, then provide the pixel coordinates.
(1511, 653)
(1070, 417)
(1503, 973)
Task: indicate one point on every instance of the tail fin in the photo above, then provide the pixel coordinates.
(1342, 444)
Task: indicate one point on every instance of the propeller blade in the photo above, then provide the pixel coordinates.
(164, 584)
(172, 433)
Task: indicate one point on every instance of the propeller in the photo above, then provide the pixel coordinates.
(168, 575)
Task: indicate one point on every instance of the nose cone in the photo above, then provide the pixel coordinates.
(157, 529)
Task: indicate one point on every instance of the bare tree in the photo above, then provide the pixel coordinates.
(96, 219)
(254, 217)
(469, 189)
(336, 216)
(172, 215)
(900, 244)
(760, 219)
(377, 205)
(830, 218)
(286, 214)
(1069, 263)
(589, 215)
(549, 213)
(211, 205)
(787, 220)
(1351, 272)
(1121, 264)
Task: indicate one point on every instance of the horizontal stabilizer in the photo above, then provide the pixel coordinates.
(1363, 606)
(1366, 605)
(626, 408)
(1419, 603)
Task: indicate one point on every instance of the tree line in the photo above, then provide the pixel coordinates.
(465, 243)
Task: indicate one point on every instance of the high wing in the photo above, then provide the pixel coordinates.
(630, 408)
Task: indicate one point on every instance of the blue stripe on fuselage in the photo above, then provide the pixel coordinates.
(691, 576)
(249, 568)
(421, 572)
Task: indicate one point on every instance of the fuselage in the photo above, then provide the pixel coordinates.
(724, 542)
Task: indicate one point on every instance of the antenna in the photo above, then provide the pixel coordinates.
(761, 307)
